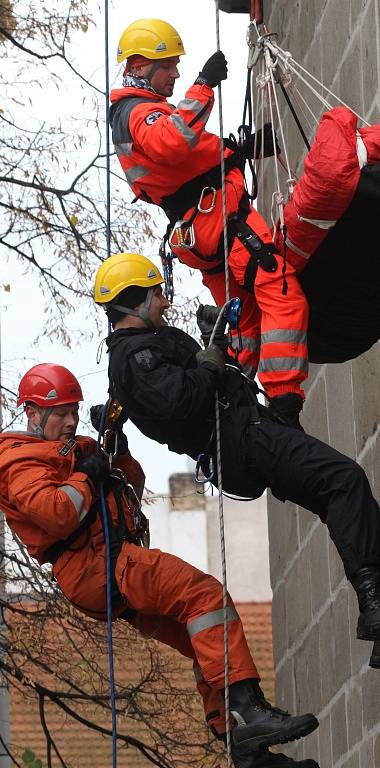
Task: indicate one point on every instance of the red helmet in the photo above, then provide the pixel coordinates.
(48, 385)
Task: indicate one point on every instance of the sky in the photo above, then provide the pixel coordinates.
(21, 310)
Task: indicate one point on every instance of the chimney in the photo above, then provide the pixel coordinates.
(185, 493)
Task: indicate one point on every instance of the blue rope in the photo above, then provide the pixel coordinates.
(102, 420)
(103, 505)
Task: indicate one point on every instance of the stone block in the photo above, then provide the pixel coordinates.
(283, 536)
(285, 698)
(334, 646)
(369, 55)
(377, 751)
(340, 408)
(306, 521)
(339, 728)
(354, 716)
(280, 635)
(371, 698)
(376, 464)
(368, 462)
(298, 597)
(336, 569)
(314, 418)
(309, 17)
(350, 87)
(307, 674)
(324, 736)
(319, 566)
(335, 37)
(365, 382)
(366, 754)
(353, 761)
(309, 747)
(342, 645)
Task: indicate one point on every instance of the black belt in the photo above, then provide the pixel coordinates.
(52, 554)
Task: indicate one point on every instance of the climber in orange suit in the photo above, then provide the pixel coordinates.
(49, 491)
(169, 159)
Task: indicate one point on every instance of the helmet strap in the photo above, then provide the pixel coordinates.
(39, 430)
(143, 313)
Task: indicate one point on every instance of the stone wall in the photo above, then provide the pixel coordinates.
(320, 666)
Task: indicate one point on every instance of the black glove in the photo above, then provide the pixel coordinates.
(287, 407)
(95, 467)
(213, 356)
(207, 316)
(122, 440)
(214, 71)
(254, 142)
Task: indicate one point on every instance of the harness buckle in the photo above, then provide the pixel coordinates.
(205, 192)
(183, 231)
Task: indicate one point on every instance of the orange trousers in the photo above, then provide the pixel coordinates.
(182, 607)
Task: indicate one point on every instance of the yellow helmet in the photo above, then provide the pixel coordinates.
(152, 38)
(122, 271)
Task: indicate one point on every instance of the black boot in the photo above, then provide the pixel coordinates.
(258, 724)
(366, 583)
(243, 757)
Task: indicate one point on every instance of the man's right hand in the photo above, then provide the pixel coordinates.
(207, 316)
(95, 467)
(212, 355)
(213, 71)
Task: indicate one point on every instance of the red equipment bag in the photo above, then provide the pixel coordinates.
(338, 262)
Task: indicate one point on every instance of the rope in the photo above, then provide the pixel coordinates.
(103, 502)
(217, 422)
(103, 505)
(108, 163)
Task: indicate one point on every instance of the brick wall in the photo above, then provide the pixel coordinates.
(320, 666)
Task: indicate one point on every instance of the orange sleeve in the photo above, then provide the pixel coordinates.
(56, 507)
(169, 138)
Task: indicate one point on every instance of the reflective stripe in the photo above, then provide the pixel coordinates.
(211, 619)
(76, 498)
(124, 148)
(296, 249)
(284, 335)
(282, 364)
(361, 151)
(193, 105)
(182, 127)
(135, 173)
(320, 223)
(198, 674)
(247, 342)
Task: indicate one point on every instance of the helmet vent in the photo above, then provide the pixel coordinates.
(104, 289)
(52, 394)
(151, 274)
(161, 47)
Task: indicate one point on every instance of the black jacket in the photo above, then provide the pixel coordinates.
(171, 399)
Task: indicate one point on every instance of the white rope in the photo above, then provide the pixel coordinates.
(286, 56)
(217, 428)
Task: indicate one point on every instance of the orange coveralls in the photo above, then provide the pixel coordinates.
(160, 148)
(44, 500)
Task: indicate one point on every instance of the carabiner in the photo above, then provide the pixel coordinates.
(205, 191)
(184, 233)
(110, 444)
(198, 469)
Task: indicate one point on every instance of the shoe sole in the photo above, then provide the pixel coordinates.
(304, 726)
